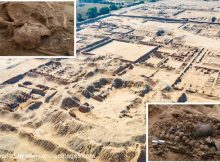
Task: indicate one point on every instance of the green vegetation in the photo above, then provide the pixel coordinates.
(113, 7)
(79, 17)
(104, 10)
(214, 19)
(83, 10)
(152, 0)
(92, 12)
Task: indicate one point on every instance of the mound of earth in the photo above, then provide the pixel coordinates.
(36, 28)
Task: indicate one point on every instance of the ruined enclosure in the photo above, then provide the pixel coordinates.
(37, 28)
(184, 132)
(172, 45)
(124, 50)
(77, 107)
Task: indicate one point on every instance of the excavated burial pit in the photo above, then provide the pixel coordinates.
(36, 28)
(188, 132)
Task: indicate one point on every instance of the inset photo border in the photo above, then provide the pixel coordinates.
(183, 131)
(37, 29)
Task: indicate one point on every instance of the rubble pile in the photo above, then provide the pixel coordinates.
(195, 136)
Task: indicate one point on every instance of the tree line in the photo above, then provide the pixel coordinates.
(94, 12)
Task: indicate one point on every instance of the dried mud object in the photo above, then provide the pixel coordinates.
(203, 130)
(29, 35)
(4, 23)
(37, 26)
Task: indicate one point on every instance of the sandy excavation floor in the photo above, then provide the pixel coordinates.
(36, 28)
(184, 132)
(128, 51)
(75, 110)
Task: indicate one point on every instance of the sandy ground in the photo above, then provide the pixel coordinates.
(188, 132)
(9, 67)
(127, 51)
(68, 107)
(36, 28)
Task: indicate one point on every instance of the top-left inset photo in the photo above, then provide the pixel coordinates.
(37, 28)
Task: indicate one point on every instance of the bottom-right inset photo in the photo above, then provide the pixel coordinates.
(183, 132)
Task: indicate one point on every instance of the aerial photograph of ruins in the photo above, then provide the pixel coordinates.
(92, 108)
(184, 132)
(36, 28)
(78, 110)
(172, 46)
